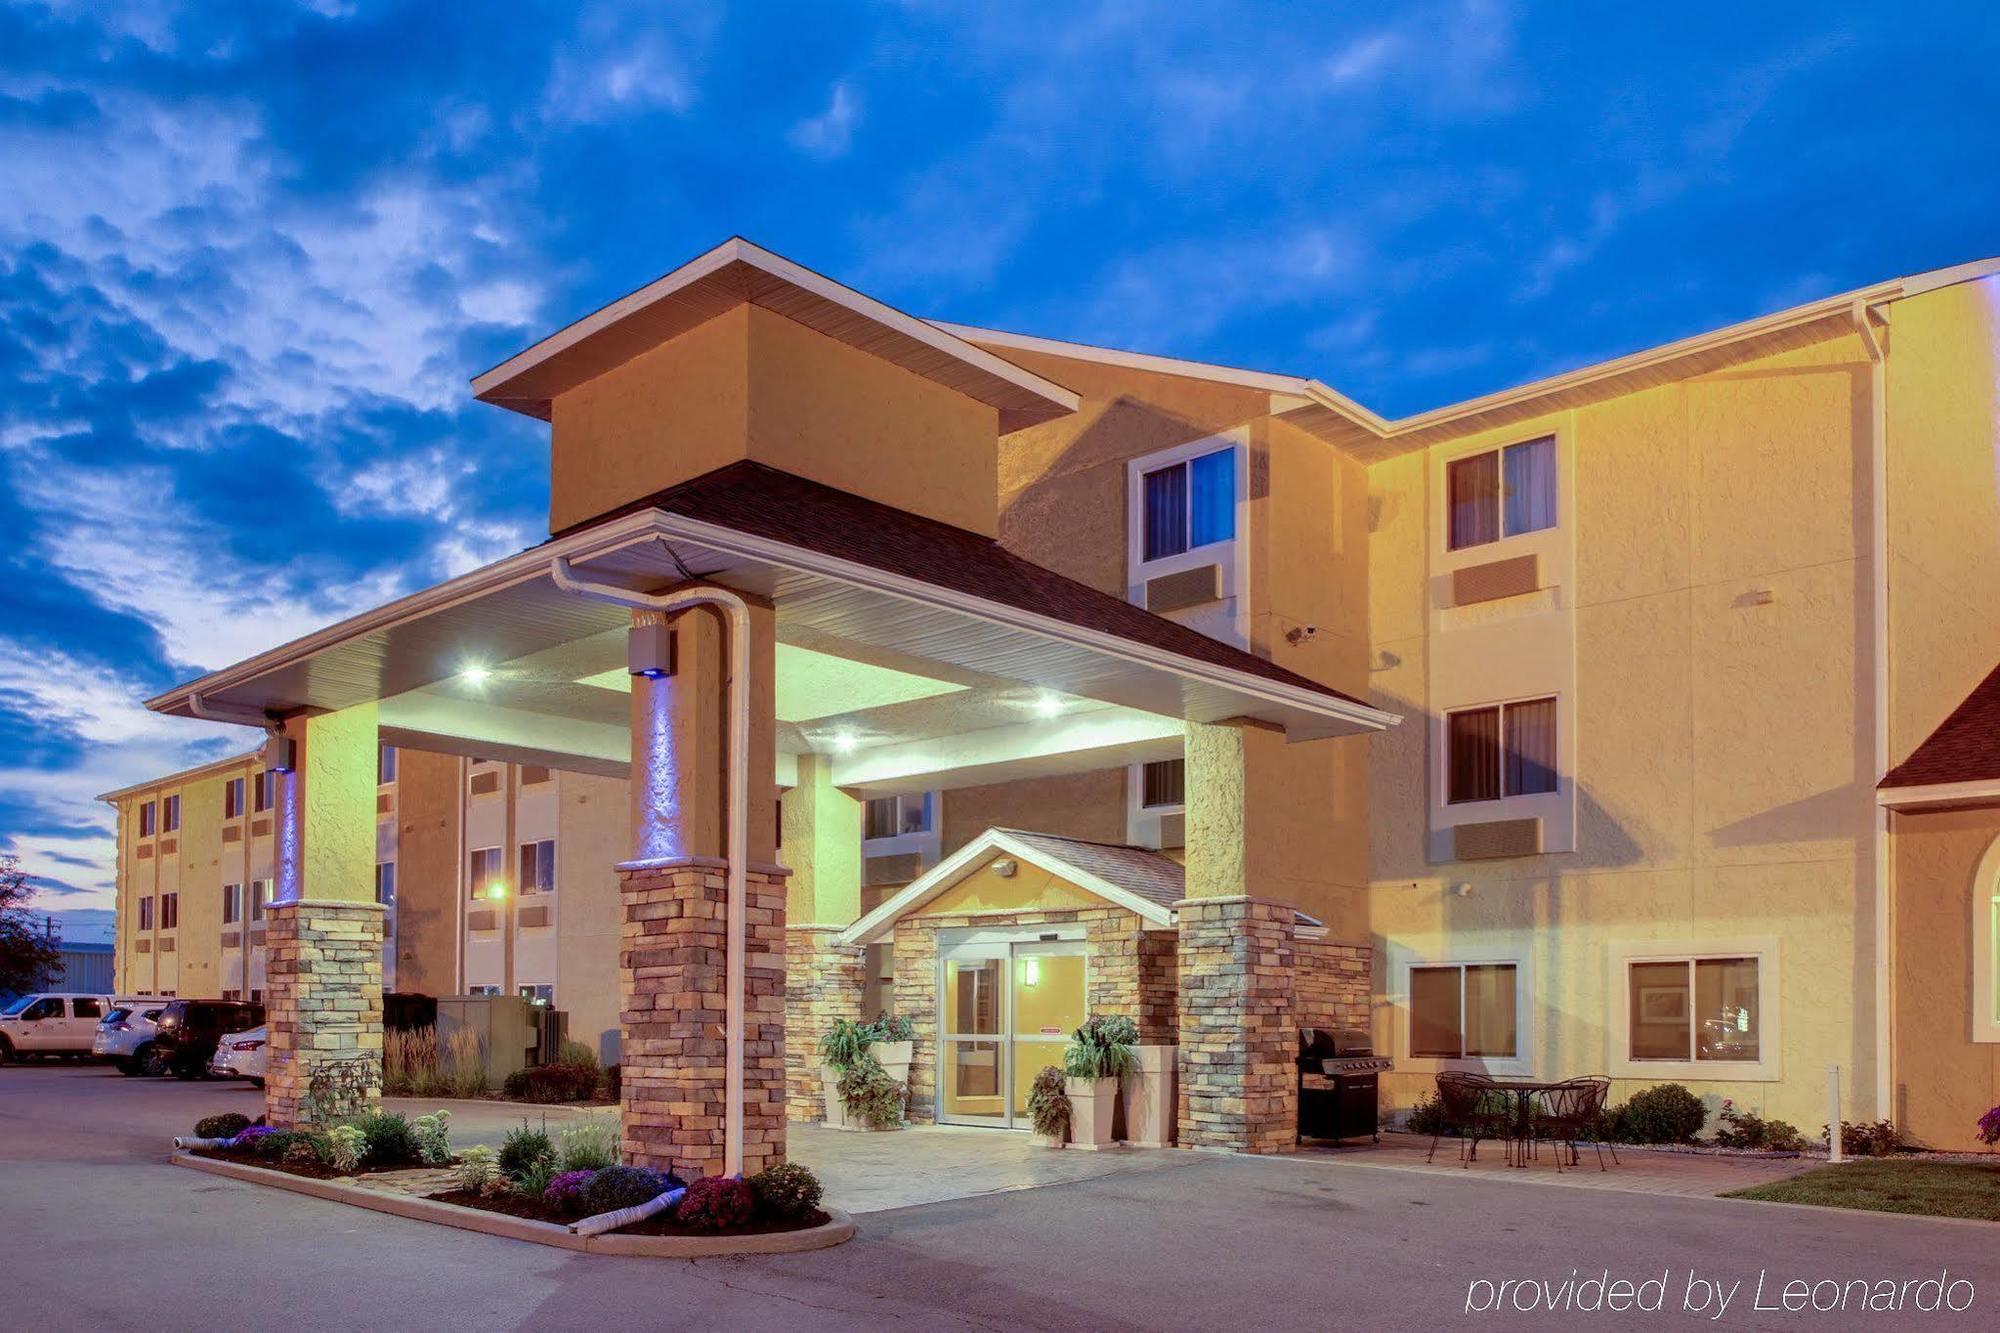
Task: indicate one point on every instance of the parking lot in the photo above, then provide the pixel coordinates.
(123, 1240)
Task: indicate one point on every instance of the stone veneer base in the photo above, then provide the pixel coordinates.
(1238, 1032)
(823, 983)
(323, 980)
(838, 1228)
(673, 962)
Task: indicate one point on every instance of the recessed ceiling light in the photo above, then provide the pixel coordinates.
(1049, 705)
(843, 742)
(473, 673)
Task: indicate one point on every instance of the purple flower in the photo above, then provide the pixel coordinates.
(566, 1189)
(251, 1135)
(1989, 1126)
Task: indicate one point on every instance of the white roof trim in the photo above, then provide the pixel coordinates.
(182, 775)
(877, 924)
(737, 250)
(1939, 793)
(1114, 356)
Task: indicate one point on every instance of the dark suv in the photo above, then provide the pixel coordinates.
(188, 1030)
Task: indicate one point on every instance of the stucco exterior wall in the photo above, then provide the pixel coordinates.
(1720, 715)
(1945, 1080)
(593, 833)
(1076, 805)
(430, 810)
(750, 383)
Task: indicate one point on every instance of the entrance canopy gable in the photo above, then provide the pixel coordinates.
(1142, 882)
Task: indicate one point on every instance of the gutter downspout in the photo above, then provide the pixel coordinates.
(1878, 463)
(738, 613)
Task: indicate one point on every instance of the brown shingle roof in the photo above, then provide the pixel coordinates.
(1138, 871)
(778, 506)
(1964, 748)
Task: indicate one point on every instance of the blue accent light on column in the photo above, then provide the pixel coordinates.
(291, 841)
(656, 773)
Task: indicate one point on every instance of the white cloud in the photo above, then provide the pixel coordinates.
(831, 133)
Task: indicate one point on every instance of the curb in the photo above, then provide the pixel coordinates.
(838, 1228)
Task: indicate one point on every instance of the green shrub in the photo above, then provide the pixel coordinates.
(391, 1139)
(870, 1095)
(1427, 1117)
(1101, 1048)
(1668, 1113)
(348, 1148)
(846, 1043)
(576, 1055)
(1750, 1131)
(787, 1191)
(276, 1143)
(1880, 1139)
(433, 1133)
(715, 1203)
(552, 1084)
(310, 1148)
(524, 1150)
(618, 1187)
(225, 1126)
(588, 1145)
(475, 1170)
(1048, 1103)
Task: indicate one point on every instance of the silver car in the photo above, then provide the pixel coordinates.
(240, 1055)
(126, 1036)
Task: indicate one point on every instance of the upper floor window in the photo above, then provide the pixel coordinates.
(146, 913)
(385, 765)
(232, 799)
(149, 816)
(1500, 750)
(385, 883)
(170, 814)
(1501, 493)
(260, 898)
(170, 911)
(232, 904)
(893, 816)
(538, 866)
(489, 873)
(1163, 784)
(1188, 504)
(267, 790)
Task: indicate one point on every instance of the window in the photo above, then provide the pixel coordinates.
(489, 874)
(1694, 1009)
(482, 990)
(385, 883)
(232, 904)
(260, 898)
(232, 799)
(170, 910)
(232, 995)
(50, 1008)
(893, 816)
(542, 995)
(385, 765)
(1500, 750)
(538, 866)
(1190, 504)
(145, 914)
(87, 1008)
(1501, 493)
(256, 995)
(170, 814)
(267, 789)
(1464, 1011)
(1163, 783)
(148, 819)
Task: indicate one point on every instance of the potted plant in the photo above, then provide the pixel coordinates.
(1048, 1108)
(1098, 1055)
(843, 1048)
(893, 1040)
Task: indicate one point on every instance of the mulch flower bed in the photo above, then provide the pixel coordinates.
(660, 1224)
(310, 1170)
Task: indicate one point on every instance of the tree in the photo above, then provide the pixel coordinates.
(28, 957)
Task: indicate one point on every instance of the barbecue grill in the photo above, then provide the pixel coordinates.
(1338, 1076)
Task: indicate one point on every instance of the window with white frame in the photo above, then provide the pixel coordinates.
(1187, 504)
(1695, 1010)
(232, 799)
(489, 873)
(482, 990)
(1500, 493)
(146, 913)
(1500, 750)
(541, 994)
(260, 898)
(538, 866)
(148, 819)
(170, 814)
(170, 911)
(385, 883)
(1464, 1011)
(267, 790)
(895, 816)
(1163, 784)
(232, 904)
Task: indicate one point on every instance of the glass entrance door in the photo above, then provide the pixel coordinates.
(1006, 1010)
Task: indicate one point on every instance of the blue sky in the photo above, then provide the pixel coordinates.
(250, 254)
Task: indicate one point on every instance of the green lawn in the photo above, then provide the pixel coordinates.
(1934, 1189)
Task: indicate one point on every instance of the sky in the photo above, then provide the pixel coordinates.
(251, 254)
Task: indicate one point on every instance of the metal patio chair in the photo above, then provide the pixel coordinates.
(1572, 1112)
(1478, 1109)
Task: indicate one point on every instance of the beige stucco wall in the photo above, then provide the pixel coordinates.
(1721, 766)
(593, 832)
(430, 805)
(752, 384)
(1076, 805)
(1944, 1079)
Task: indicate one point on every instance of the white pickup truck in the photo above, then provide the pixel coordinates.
(57, 1023)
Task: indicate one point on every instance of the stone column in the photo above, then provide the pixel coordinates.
(673, 940)
(822, 845)
(323, 943)
(1238, 1040)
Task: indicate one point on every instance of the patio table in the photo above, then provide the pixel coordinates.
(1523, 1091)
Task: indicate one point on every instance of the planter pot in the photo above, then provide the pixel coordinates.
(1047, 1140)
(836, 1109)
(1093, 1102)
(894, 1057)
(1147, 1096)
